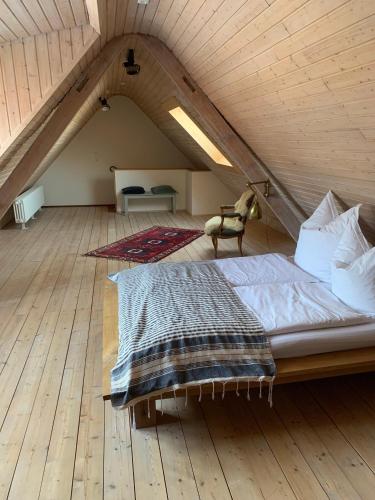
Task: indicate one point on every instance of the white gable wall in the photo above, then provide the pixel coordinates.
(123, 136)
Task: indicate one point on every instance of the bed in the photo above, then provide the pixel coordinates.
(303, 346)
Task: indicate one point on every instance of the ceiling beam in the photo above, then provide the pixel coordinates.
(62, 116)
(220, 131)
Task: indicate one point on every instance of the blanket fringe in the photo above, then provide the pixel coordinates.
(237, 392)
(261, 379)
(223, 393)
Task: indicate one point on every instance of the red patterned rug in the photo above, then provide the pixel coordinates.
(149, 245)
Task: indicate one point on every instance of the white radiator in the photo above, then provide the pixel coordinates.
(27, 204)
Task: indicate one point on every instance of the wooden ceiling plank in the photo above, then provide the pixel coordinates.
(54, 55)
(66, 51)
(111, 19)
(52, 14)
(352, 36)
(5, 33)
(190, 11)
(160, 16)
(13, 145)
(66, 12)
(38, 15)
(32, 71)
(56, 126)
(11, 21)
(10, 86)
(201, 18)
(341, 18)
(43, 63)
(149, 15)
(250, 10)
(79, 12)
(77, 41)
(218, 129)
(4, 115)
(131, 12)
(121, 8)
(219, 19)
(24, 18)
(241, 46)
(171, 19)
(282, 76)
(139, 17)
(23, 93)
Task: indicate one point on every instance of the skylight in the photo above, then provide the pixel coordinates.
(196, 133)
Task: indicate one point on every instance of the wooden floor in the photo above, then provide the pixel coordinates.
(59, 440)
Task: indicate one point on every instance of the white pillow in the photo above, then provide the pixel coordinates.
(323, 214)
(352, 244)
(316, 246)
(339, 224)
(354, 284)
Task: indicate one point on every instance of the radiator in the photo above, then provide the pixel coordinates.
(27, 204)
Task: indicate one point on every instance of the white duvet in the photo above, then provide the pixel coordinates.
(261, 269)
(297, 306)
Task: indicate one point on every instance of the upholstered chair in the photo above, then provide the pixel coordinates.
(231, 223)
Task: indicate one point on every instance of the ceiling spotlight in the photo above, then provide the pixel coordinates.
(143, 2)
(104, 103)
(129, 65)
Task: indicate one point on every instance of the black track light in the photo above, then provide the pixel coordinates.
(104, 103)
(130, 66)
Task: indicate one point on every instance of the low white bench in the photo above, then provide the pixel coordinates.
(148, 195)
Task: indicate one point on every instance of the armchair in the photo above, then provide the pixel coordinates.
(231, 223)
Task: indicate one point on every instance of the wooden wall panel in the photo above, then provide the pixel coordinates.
(32, 71)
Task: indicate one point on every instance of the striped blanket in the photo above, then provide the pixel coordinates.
(181, 325)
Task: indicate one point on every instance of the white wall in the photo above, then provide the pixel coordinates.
(199, 192)
(207, 193)
(124, 137)
(147, 179)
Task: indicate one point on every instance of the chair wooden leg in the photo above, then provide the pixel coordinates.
(214, 242)
(240, 244)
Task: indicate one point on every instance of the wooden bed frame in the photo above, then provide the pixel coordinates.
(288, 370)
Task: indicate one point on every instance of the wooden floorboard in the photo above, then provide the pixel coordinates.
(59, 440)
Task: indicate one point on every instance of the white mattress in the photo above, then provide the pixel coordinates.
(277, 268)
(290, 345)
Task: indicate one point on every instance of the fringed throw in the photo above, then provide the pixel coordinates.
(181, 325)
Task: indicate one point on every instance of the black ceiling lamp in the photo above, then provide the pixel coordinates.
(104, 103)
(130, 66)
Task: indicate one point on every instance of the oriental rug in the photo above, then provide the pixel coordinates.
(147, 246)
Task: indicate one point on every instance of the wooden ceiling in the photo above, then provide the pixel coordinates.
(24, 18)
(295, 78)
